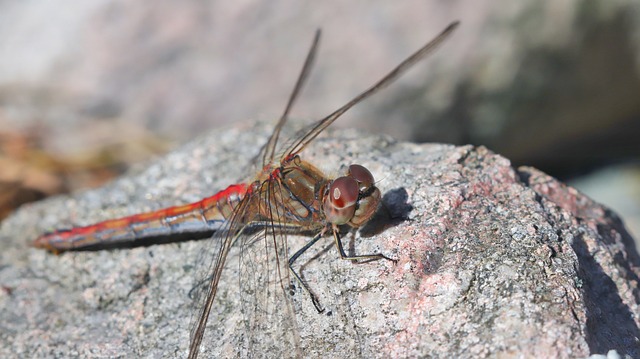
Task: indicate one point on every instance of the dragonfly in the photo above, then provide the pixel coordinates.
(287, 196)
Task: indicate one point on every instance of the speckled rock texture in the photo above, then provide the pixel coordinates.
(493, 261)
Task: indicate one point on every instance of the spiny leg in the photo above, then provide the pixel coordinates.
(356, 258)
(293, 258)
(365, 258)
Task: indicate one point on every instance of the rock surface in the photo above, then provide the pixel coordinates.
(492, 262)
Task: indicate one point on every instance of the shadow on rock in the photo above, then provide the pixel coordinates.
(394, 209)
(609, 320)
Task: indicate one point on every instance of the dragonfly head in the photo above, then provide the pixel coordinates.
(352, 199)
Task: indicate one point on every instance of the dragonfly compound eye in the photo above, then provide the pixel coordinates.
(369, 196)
(340, 202)
(362, 175)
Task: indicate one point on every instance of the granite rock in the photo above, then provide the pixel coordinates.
(493, 261)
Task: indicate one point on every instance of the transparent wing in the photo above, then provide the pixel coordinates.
(266, 324)
(322, 124)
(268, 151)
(207, 290)
(269, 320)
(262, 270)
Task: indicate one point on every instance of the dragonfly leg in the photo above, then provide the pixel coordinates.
(356, 258)
(314, 298)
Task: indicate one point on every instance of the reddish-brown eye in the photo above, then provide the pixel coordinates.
(344, 192)
(340, 202)
(362, 175)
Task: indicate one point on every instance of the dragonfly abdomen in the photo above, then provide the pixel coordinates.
(196, 220)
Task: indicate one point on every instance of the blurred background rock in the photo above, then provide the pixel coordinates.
(88, 88)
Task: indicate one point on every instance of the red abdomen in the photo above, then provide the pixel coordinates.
(196, 220)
